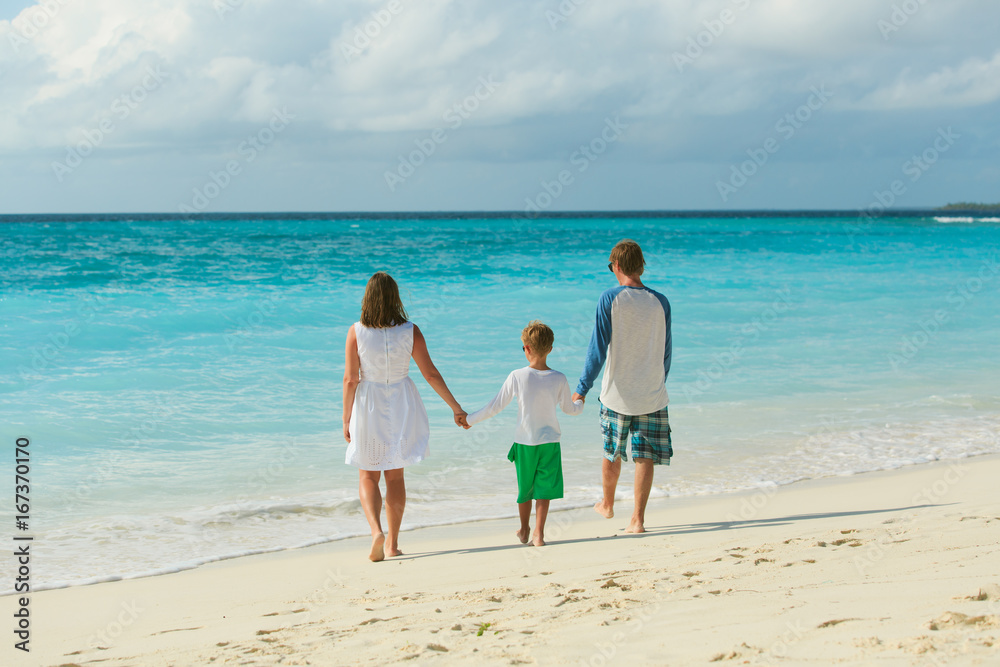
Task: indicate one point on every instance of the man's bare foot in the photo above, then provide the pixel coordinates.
(537, 540)
(522, 535)
(606, 512)
(635, 526)
(378, 548)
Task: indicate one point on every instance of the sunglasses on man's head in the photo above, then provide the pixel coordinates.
(611, 267)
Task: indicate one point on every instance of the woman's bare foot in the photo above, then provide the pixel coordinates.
(606, 512)
(392, 551)
(537, 540)
(522, 535)
(635, 526)
(378, 548)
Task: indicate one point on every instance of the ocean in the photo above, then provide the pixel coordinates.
(180, 380)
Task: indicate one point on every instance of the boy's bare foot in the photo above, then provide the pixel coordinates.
(635, 526)
(537, 540)
(522, 535)
(378, 548)
(606, 512)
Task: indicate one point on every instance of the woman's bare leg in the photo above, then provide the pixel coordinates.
(371, 502)
(395, 503)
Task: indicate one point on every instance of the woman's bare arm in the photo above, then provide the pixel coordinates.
(433, 375)
(352, 378)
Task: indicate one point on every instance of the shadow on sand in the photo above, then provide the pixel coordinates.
(678, 529)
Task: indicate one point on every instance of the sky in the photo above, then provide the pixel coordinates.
(437, 105)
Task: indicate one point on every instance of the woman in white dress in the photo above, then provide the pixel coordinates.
(385, 423)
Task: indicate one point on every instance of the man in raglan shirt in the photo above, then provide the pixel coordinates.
(632, 333)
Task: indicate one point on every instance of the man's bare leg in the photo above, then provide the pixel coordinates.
(524, 513)
(395, 503)
(643, 484)
(371, 502)
(609, 480)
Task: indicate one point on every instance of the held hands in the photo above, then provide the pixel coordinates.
(577, 397)
(461, 419)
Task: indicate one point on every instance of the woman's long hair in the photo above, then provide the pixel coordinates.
(381, 306)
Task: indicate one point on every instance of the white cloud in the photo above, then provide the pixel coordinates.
(226, 75)
(972, 83)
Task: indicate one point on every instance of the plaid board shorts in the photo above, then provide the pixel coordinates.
(650, 435)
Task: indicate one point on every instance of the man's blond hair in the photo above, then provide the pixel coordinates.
(628, 256)
(538, 337)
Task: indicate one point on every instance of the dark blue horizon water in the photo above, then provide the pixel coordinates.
(180, 379)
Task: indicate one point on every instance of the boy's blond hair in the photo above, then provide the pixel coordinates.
(538, 337)
(628, 256)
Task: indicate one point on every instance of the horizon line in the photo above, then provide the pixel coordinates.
(457, 214)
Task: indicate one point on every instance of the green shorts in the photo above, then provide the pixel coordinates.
(539, 471)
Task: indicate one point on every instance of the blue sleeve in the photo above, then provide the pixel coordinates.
(597, 352)
(668, 345)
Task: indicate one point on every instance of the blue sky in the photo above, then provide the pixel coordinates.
(394, 105)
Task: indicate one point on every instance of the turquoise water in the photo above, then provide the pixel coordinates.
(180, 381)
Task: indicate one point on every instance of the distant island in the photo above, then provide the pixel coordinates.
(968, 206)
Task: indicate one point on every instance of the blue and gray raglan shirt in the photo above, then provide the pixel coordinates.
(632, 334)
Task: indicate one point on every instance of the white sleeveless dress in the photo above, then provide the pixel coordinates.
(388, 425)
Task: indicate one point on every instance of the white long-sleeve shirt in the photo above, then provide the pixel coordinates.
(637, 352)
(538, 393)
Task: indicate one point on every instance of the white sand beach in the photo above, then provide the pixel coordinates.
(896, 567)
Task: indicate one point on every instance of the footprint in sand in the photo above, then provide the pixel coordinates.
(987, 592)
(953, 618)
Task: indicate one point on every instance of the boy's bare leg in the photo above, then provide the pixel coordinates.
(643, 484)
(524, 512)
(371, 502)
(395, 503)
(609, 480)
(541, 512)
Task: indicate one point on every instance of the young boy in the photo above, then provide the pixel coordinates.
(535, 452)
